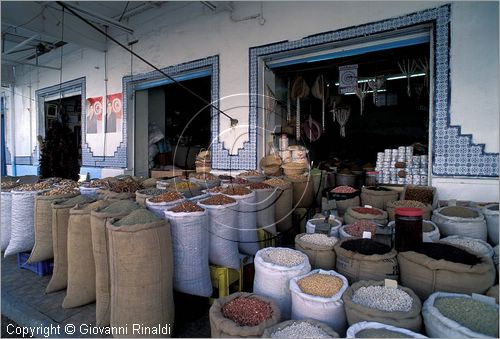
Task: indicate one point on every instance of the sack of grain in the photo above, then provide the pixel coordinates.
(476, 246)
(283, 207)
(252, 176)
(333, 224)
(457, 220)
(242, 315)
(425, 194)
(490, 213)
(223, 230)
(105, 194)
(43, 248)
(149, 183)
(454, 315)
(318, 248)
(274, 267)
(378, 197)
(303, 190)
(81, 265)
(370, 300)
(142, 195)
(391, 208)
(160, 203)
(6, 218)
(190, 245)
(149, 260)
(265, 198)
(98, 219)
(371, 329)
(355, 265)
(354, 214)
(318, 295)
(300, 329)
(425, 274)
(343, 205)
(60, 220)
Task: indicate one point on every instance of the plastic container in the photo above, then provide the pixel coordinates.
(41, 268)
(408, 229)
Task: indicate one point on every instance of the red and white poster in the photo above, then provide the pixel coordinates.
(94, 114)
(114, 112)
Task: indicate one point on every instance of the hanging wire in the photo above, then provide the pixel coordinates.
(105, 99)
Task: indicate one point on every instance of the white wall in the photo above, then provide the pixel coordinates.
(183, 31)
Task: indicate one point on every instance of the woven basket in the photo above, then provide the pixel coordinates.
(203, 169)
(270, 164)
(293, 168)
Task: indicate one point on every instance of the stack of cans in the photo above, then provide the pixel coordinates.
(414, 171)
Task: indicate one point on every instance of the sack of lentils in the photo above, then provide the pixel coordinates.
(443, 267)
(283, 206)
(140, 248)
(375, 215)
(391, 208)
(371, 329)
(223, 230)
(476, 246)
(356, 229)
(318, 295)
(454, 315)
(246, 220)
(100, 244)
(458, 220)
(142, 195)
(160, 203)
(365, 259)
(300, 329)
(190, 244)
(242, 315)
(378, 197)
(318, 248)
(274, 267)
(265, 197)
(370, 300)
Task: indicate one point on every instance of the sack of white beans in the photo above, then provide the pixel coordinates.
(274, 267)
(300, 329)
(5, 218)
(318, 295)
(370, 300)
(371, 329)
(476, 246)
(318, 248)
(459, 220)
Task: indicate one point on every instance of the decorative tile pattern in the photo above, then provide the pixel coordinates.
(453, 153)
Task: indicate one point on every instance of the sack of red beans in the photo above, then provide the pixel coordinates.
(358, 213)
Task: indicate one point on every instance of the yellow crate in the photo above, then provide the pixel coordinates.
(225, 278)
(266, 239)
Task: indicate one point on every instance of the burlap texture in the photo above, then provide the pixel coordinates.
(320, 256)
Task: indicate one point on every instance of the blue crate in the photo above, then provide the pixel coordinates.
(41, 268)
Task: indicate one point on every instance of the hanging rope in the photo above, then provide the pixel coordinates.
(361, 91)
(408, 68)
(343, 115)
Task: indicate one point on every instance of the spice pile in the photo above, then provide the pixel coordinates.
(204, 176)
(383, 298)
(447, 252)
(320, 285)
(319, 239)
(60, 191)
(236, 191)
(120, 206)
(365, 246)
(8, 185)
(152, 191)
(283, 257)
(343, 189)
(218, 199)
(251, 174)
(365, 210)
(225, 177)
(123, 186)
(166, 197)
(44, 185)
(475, 315)
(407, 203)
(182, 185)
(420, 193)
(139, 216)
(276, 182)
(259, 186)
(217, 189)
(68, 182)
(380, 333)
(458, 211)
(300, 329)
(96, 183)
(186, 207)
(247, 311)
(239, 181)
(79, 199)
(356, 229)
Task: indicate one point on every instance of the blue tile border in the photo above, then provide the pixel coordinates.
(453, 153)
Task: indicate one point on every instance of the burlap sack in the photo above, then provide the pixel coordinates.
(141, 267)
(391, 209)
(425, 275)
(303, 191)
(283, 207)
(355, 266)
(81, 265)
(411, 320)
(351, 216)
(354, 329)
(110, 195)
(320, 256)
(222, 327)
(278, 327)
(43, 248)
(100, 242)
(343, 205)
(377, 199)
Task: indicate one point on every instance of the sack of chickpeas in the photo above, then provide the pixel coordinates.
(370, 300)
(318, 248)
(242, 315)
(300, 329)
(318, 295)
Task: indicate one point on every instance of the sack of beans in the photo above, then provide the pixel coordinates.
(242, 315)
(318, 225)
(490, 213)
(300, 329)
(106, 194)
(378, 197)
(274, 267)
(391, 208)
(205, 180)
(142, 195)
(149, 183)
(160, 203)
(443, 267)
(81, 264)
(60, 219)
(223, 230)
(43, 248)
(365, 259)
(100, 244)
(376, 215)
(5, 217)
(424, 194)
(318, 295)
(370, 300)
(303, 190)
(318, 248)
(265, 197)
(141, 275)
(190, 245)
(371, 329)
(356, 229)
(252, 176)
(345, 197)
(186, 188)
(459, 220)
(476, 246)
(283, 206)
(246, 220)
(454, 315)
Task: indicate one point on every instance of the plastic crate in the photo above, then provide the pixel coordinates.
(266, 239)
(41, 268)
(226, 279)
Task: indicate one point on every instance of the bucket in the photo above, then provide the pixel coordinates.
(346, 179)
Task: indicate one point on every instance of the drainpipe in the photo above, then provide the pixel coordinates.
(12, 126)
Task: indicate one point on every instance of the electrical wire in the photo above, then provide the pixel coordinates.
(60, 3)
(124, 10)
